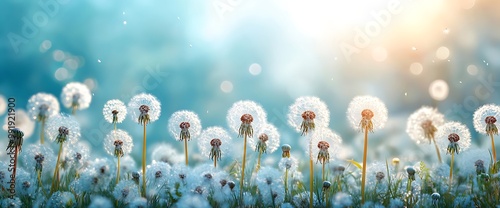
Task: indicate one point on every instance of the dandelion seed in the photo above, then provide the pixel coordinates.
(484, 122)
(76, 96)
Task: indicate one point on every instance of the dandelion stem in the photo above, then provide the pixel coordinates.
(451, 171)
(118, 171)
(323, 172)
(73, 110)
(286, 182)
(311, 174)
(363, 176)
(243, 166)
(437, 150)
(55, 178)
(494, 152)
(144, 160)
(215, 162)
(258, 161)
(42, 127)
(186, 150)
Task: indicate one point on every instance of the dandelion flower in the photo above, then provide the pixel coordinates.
(267, 141)
(471, 162)
(118, 143)
(63, 128)
(40, 107)
(183, 125)
(39, 158)
(144, 108)
(453, 137)
(484, 122)
(125, 191)
(307, 113)
(214, 143)
(422, 126)
(193, 201)
(76, 96)
(366, 114)
(114, 111)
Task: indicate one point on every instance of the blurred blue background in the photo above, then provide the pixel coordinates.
(205, 55)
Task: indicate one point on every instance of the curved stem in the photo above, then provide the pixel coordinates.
(437, 150)
(144, 161)
(186, 150)
(42, 128)
(243, 166)
(55, 178)
(363, 176)
(451, 171)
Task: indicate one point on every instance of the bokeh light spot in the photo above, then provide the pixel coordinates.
(442, 53)
(416, 68)
(439, 90)
(472, 70)
(226, 86)
(255, 69)
(61, 74)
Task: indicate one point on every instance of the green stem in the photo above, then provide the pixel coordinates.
(311, 175)
(258, 162)
(144, 161)
(451, 171)
(186, 150)
(118, 171)
(323, 171)
(243, 167)
(55, 178)
(42, 127)
(363, 176)
(73, 110)
(493, 150)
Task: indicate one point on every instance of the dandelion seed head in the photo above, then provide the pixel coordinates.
(467, 161)
(118, 139)
(42, 105)
(157, 174)
(166, 153)
(38, 153)
(324, 135)
(61, 199)
(71, 128)
(100, 202)
(268, 134)
(126, 191)
(11, 202)
(267, 178)
(456, 132)
(367, 108)
(76, 94)
(236, 115)
(302, 199)
(144, 104)
(308, 108)
(485, 117)
(114, 111)
(184, 119)
(204, 141)
(78, 153)
(423, 123)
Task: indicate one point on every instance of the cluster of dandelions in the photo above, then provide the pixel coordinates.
(72, 177)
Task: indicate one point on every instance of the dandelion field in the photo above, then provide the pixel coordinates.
(250, 104)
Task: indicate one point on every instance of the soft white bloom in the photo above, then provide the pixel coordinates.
(114, 111)
(192, 201)
(456, 132)
(486, 114)
(143, 105)
(42, 105)
(423, 123)
(166, 153)
(267, 137)
(11, 203)
(126, 191)
(177, 125)
(77, 95)
(208, 135)
(320, 149)
(61, 124)
(467, 161)
(41, 154)
(61, 199)
(367, 111)
(118, 143)
(308, 112)
(236, 116)
(342, 200)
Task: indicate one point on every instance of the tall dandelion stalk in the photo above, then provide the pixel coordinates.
(484, 122)
(286, 163)
(305, 115)
(114, 112)
(454, 138)
(60, 139)
(245, 131)
(214, 143)
(266, 143)
(183, 126)
(40, 107)
(118, 143)
(144, 108)
(365, 114)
